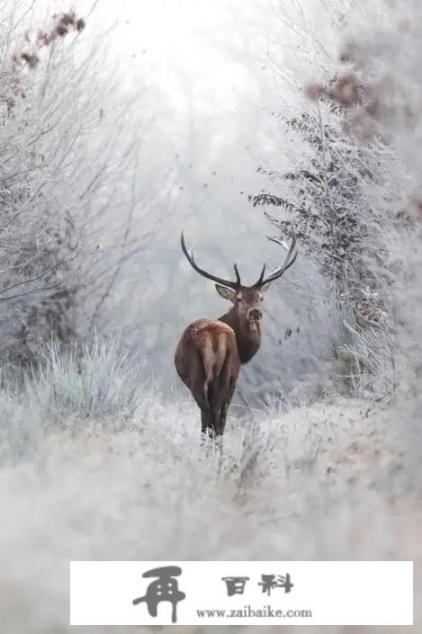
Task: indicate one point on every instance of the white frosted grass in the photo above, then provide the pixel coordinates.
(325, 481)
(97, 380)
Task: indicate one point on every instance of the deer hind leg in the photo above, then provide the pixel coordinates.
(223, 391)
(215, 363)
(202, 401)
(230, 392)
(225, 395)
(200, 393)
(195, 380)
(209, 389)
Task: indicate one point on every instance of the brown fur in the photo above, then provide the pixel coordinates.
(248, 334)
(210, 352)
(208, 363)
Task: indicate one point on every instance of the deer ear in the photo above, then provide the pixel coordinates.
(227, 293)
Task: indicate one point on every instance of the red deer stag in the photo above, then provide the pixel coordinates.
(210, 352)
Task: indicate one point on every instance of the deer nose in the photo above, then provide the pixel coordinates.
(254, 314)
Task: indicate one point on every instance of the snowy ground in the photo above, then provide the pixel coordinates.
(326, 482)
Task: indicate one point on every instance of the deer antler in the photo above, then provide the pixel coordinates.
(189, 256)
(289, 260)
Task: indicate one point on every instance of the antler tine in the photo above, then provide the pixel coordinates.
(289, 260)
(261, 277)
(236, 270)
(189, 256)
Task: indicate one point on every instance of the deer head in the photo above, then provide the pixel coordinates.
(247, 300)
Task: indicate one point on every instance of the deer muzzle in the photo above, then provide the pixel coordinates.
(254, 314)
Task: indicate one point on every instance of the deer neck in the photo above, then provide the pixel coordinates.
(248, 335)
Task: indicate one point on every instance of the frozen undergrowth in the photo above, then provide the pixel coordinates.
(329, 481)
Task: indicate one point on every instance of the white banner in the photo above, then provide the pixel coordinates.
(241, 592)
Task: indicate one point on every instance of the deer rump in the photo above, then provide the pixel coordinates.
(207, 361)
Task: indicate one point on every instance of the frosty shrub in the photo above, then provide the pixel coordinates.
(382, 104)
(341, 199)
(99, 380)
(326, 482)
(60, 174)
(326, 201)
(383, 51)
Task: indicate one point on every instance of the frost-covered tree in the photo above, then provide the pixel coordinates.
(324, 200)
(333, 191)
(65, 205)
(382, 48)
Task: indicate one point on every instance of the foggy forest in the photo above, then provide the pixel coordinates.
(244, 124)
